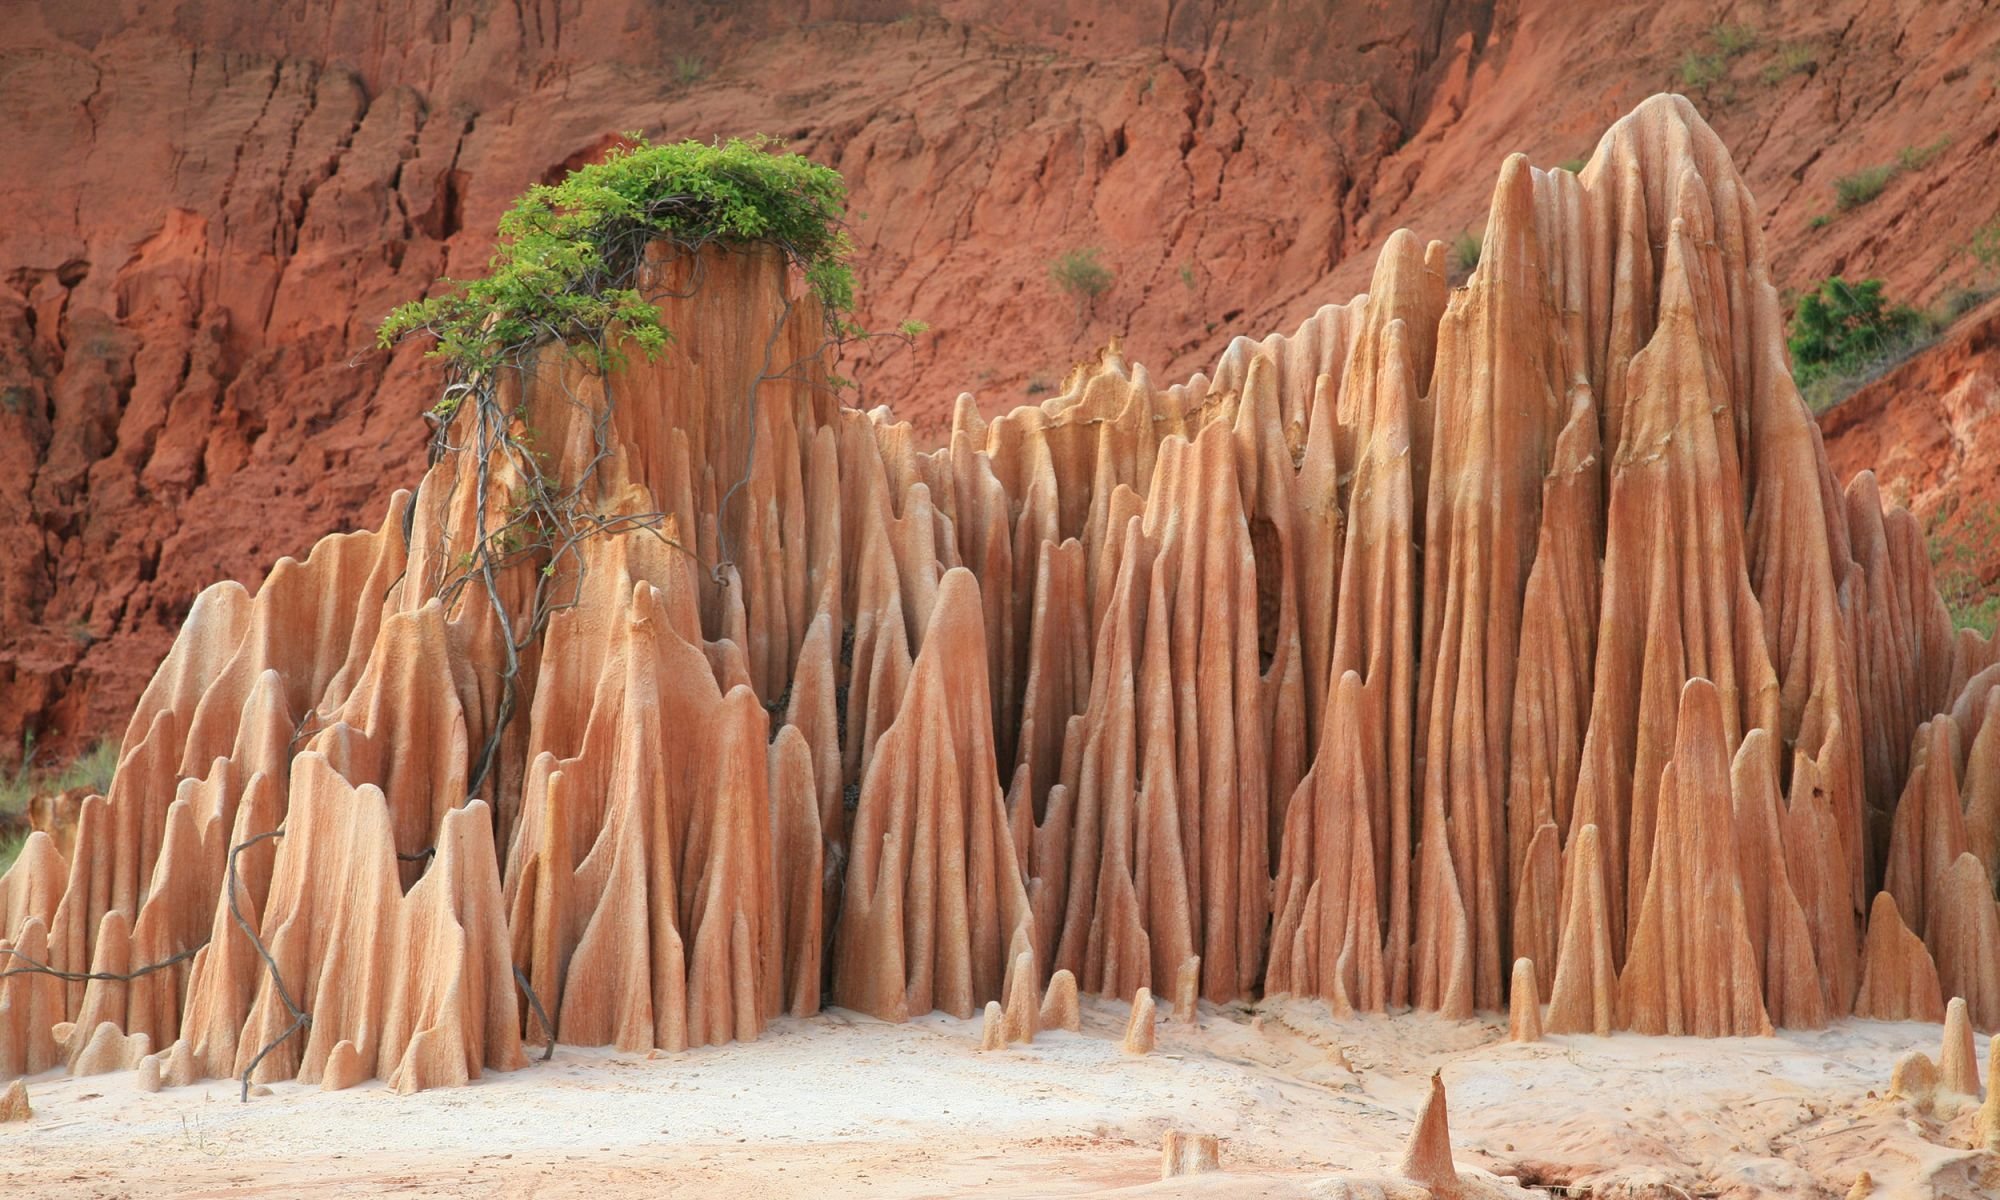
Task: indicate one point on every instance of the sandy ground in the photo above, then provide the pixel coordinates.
(843, 1105)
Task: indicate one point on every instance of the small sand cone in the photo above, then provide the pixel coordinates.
(1958, 1063)
(1864, 1187)
(1139, 1030)
(1427, 1160)
(1915, 1079)
(109, 1049)
(993, 1031)
(1986, 1127)
(1059, 1006)
(1187, 990)
(1023, 1010)
(1189, 1154)
(1524, 1016)
(343, 1069)
(14, 1104)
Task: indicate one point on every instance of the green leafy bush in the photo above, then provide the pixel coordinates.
(1845, 333)
(1853, 191)
(1732, 40)
(1574, 166)
(1796, 58)
(1701, 71)
(1954, 567)
(1984, 246)
(1465, 251)
(92, 769)
(567, 257)
(1916, 158)
(1080, 276)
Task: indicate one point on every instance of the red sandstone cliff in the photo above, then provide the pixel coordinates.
(210, 206)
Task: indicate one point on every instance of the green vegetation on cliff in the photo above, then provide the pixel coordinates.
(567, 257)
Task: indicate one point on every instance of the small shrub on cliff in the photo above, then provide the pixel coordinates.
(1955, 556)
(1916, 158)
(1081, 277)
(1984, 246)
(1699, 71)
(92, 770)
(1845, 334)
(1732, 40)
(1464, 257)
(1853, 191)
(1796, 58)
(567, 257)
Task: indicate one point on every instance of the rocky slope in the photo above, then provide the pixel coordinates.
(211, 205)
(1930, 429)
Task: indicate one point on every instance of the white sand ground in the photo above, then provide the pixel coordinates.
(843, 1105)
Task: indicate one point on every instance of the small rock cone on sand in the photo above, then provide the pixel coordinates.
(1427, 1160)
(1187, 990)
(1059, 1006)
(1139, 1030)
(1958, 1063)
(1189, 1154)
(1864, 1186)
(1986, 1128)
(1524, 1016)
(1023, 1008)
(14, 1104)
(1915, 1079)
(993, 1030)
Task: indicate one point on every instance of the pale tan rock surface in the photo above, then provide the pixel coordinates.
(1524, 1012)
(1188, 1154)
(14, 1104)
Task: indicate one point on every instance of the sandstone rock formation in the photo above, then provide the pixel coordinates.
(1139, 1031)
(1188, 1154)
(1304, 675)
(1059, 1004)
(1524, 1011)
(1958, 1061)
(14, 1104)
(1427, 1157)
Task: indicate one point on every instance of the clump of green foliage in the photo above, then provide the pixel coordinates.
(1984, 246)
(689, 69)
(1081, 276)
(1916, 158)
(1794, 58)
(1732, 40)
(567, 257)
(1955, 554)
(1844, 334)
(92, 769)
(1700, 71)
(1853, 191)
(1465, 251)
(1574, 166)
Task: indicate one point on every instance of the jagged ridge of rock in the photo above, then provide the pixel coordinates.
(1522, 620)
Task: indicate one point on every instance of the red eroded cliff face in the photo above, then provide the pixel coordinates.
(211, 204)
(1930, 430)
